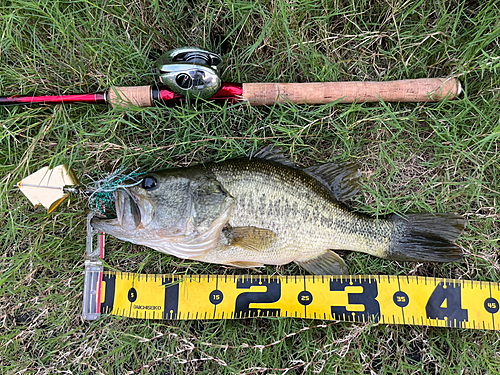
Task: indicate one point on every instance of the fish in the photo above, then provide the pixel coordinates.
(264, 210)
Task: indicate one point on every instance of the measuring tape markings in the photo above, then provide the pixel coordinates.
(386, 299)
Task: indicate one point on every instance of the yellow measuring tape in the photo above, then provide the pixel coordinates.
(411, 300)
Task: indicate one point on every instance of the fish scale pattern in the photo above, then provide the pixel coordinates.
(299, 209)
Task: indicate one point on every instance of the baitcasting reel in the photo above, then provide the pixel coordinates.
(191, 72)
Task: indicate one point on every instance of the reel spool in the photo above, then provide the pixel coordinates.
(190, 72)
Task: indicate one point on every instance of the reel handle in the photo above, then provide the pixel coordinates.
(411, 90)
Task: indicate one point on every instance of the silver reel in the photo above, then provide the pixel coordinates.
(191, 72)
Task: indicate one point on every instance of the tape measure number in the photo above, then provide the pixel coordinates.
(411, 300)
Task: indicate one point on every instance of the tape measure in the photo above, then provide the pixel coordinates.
(413, 300)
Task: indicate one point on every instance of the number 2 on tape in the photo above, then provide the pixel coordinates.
(243, 301)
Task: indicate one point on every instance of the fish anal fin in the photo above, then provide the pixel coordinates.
(273, 154)
(327, 263)
(341, 180)
(251, 238)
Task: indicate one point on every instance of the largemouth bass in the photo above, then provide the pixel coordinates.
(264, 210)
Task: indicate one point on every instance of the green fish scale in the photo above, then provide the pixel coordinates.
(299, 209)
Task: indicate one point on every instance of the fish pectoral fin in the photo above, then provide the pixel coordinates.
(242, 264)
(341, 180)
(328, 263)
(251, 238)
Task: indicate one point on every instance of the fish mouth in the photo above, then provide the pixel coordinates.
(128, 212)
(132, 212)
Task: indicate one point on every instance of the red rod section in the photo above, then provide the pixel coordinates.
(229, 92)
(97, 98)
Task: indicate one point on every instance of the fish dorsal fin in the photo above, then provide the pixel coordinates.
(341, 180)
(274, 154)
(328, 263)
(251, 238)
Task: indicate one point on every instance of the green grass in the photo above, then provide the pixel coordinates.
(414, 157)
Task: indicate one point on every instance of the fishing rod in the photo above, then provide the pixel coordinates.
(193, 73)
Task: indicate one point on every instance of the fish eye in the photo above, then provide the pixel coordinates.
(149, 183)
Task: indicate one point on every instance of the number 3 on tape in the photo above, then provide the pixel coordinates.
(366, 298)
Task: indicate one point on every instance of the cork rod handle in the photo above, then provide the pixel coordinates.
(135, 95)
(411, 90)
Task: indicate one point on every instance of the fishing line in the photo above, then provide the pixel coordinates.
(101, 201)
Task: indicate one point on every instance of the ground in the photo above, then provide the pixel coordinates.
(414, 157)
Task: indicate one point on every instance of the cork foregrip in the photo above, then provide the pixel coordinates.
(133, 95)
(411, 90)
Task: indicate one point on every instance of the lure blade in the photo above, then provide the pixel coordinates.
(46, 186)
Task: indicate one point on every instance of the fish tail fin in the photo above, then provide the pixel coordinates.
(426, 238)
